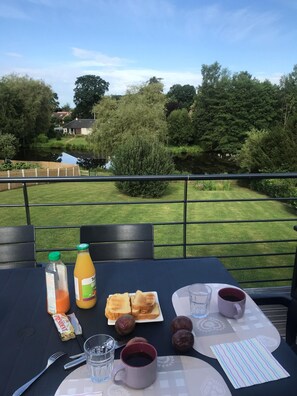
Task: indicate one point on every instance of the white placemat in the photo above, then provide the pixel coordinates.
(248, 363)
(217, 329)
(177, 375)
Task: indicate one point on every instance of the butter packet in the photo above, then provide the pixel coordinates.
(64, 327)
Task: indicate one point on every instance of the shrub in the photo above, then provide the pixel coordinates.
(212, 185)
(142, 155)
(275, 188)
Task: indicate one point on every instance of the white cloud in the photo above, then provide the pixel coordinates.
(13, 54)
(94, 58)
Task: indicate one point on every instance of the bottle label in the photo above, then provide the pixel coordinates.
(51, 293)
(88, 288)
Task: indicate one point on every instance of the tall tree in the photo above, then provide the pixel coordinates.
(180, 130)
(88, 91)
(8, 146)
(179, 97)
(26, 107)
(288, 91)
(139, 112)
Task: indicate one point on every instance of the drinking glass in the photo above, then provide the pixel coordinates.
(99, 350)
(199, 295)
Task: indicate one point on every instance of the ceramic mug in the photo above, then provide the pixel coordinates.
(137, 367)
(231, 302)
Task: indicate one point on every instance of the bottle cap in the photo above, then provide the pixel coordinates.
(82, 246)
(54, 256)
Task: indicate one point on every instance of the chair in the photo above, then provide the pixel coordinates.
(119, 241)
(17, 247)
(288, 301)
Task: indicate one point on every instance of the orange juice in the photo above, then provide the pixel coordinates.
(62, 301)
(84, 278)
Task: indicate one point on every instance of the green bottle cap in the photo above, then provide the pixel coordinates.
(54, 256)
(82, 246)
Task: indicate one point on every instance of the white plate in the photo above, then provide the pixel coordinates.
(157, 319)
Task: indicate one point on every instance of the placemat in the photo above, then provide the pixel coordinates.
(217, 329)
(177, 375)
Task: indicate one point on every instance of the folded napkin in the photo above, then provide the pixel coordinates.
(248, 363)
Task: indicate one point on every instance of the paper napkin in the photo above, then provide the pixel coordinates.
(248, 363)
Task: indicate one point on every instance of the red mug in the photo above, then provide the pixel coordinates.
(231, 302)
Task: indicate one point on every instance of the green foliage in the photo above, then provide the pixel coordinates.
(26, 107)
(8, 145)
(88, 91)
(228, 106)
(180, 130)
(213, 185)
(17, 165)
(180, 97)
(41, 138)
(139, 112)
(277, 188)
(269, 151)
(142, 156)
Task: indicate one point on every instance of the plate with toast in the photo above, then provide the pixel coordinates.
(144, 306)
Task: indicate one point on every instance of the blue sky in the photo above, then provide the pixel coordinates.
(126, 42)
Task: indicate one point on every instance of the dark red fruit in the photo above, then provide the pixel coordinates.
(181, 323)
(183, 340)
(137, 339)
(125, 324)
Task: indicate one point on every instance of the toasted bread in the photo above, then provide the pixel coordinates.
(144, 305)
(117, 304)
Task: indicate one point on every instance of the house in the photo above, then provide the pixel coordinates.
(79, 127)
(61, 116)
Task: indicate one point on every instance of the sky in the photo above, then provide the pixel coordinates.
(126, 42)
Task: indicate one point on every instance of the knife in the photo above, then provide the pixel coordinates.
(81, 357)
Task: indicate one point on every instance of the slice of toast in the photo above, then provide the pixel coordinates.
(144, 305)
(117, 304)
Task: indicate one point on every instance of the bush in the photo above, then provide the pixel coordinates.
(276, 188)
(17, 165)
(212, 185)
(142, 155)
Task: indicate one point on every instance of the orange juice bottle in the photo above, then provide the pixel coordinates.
(56, 285)
(84, 278)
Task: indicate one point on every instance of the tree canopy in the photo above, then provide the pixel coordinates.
(26, 107)
(88, 91)
(139, 112)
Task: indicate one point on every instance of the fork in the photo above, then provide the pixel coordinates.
(50, 361)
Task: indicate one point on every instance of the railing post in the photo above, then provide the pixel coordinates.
(26, 202)
(185, 218)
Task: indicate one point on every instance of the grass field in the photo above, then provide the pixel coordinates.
(160, 212)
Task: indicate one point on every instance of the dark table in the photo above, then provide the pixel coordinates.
(28, 335)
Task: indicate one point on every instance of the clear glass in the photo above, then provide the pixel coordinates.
(199, 296)
(58, 300)
(99, 350)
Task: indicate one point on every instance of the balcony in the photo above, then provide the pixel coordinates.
(249, 246)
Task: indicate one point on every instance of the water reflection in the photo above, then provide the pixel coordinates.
(194, 164)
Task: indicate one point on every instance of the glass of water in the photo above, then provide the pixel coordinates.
(199, 295)
(99, 350)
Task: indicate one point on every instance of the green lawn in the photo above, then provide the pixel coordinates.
(159, 212)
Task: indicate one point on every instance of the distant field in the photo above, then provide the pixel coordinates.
(159, 212)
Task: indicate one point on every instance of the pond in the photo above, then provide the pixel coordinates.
(194, 164)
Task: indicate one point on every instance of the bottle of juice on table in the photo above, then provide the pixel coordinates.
(57, 292)
(84, 278)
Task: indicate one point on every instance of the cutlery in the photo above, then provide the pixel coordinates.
(50, 361)
(81, 357)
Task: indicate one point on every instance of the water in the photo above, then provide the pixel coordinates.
(100, 370)
(194, 164)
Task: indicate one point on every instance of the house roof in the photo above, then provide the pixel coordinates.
(79, 123)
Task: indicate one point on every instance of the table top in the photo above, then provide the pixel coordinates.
(28, 335)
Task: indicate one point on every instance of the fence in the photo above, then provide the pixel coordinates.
(266, 259)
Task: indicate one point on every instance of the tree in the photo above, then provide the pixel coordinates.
(180, 131)
(26, 107)
(142, 155)
(180, 96)
(88, 91)
(8, 146)
(288, 92)
(139, 112)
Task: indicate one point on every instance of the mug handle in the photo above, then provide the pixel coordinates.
(115, 373)
(238, 311)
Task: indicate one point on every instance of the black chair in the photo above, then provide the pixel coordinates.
(119, 241)
(17, 247)
(288, 301)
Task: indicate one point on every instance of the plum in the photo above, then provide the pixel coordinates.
(181, 322)
(183, 340)
(125, 324)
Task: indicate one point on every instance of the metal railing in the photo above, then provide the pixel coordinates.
(245, 273)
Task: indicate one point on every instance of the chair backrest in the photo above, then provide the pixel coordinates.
(119, 241)
(17, 247)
